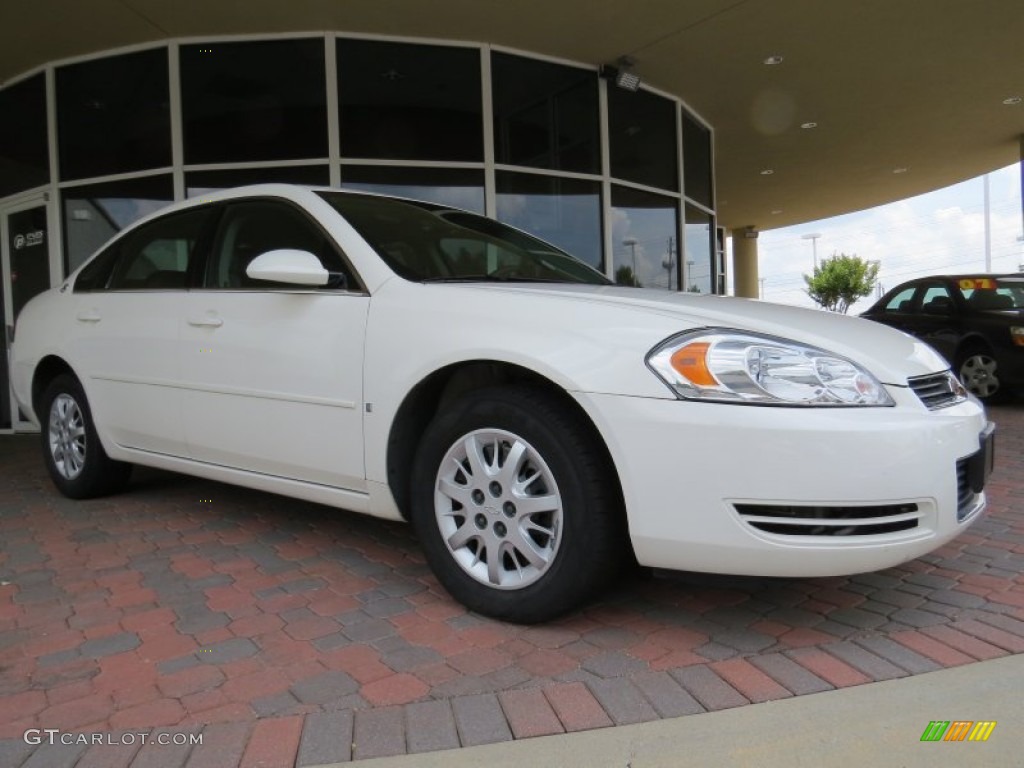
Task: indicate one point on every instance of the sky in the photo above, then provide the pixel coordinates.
(935, 233)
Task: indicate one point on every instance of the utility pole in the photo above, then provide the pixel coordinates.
(988, 229)
(761, 281)
(631, 242)
(668, 261)
(813, 237)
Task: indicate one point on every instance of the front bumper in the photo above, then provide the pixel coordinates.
(692, 472)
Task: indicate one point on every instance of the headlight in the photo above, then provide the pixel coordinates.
(741, 367)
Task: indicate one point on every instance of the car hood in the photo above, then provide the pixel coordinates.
(890, 354)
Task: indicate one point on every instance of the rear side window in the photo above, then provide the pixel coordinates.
(155, 256)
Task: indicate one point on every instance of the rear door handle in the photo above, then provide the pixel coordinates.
(90, 316)
(207, 321)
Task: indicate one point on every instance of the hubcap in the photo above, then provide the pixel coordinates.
(67, 436)
(498, 509)
(978, 374)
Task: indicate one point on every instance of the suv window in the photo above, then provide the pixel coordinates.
(155, 256)
(902, 301)
(936, 300)
(253, 227)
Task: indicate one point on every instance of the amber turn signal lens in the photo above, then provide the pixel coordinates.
(691, 362)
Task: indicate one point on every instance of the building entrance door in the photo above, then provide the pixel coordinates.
(26, 259)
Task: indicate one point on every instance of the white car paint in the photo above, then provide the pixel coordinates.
(296, 392)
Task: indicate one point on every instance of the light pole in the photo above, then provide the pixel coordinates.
(813, 237)
(668, 261)
(631, 242)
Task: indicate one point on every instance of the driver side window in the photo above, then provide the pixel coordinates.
(253, 227)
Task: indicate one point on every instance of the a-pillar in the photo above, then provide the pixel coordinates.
(744, 263)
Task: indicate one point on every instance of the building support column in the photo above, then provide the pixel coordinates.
(744, 263)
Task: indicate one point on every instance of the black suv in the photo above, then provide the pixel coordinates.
(975, 321)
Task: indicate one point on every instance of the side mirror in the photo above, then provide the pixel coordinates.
(288, 265)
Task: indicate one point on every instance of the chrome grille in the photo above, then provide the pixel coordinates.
(938, 390)
(830, 521)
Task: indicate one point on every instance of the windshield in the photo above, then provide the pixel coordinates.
(428, 243)
(993, 293)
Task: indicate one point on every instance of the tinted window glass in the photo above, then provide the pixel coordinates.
(936, 300)
(113, 115)
(94, 213)
(430, 243)
(251, 228)
(902, 301)
(24, 157)
(156, 256)
(697, 161)
(263, 100)
(545, 115)
(457, 187)
(409, 102)
(645, 229)
(199, 183)
(566, 212)
(642, 137)
(699, 274)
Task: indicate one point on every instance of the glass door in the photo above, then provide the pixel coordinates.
(26, 258)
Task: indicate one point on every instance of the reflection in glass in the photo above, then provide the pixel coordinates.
(96, 212)
(642, 138)
(644, 232)
(203, 182)
(404, 101)
(699, 250)
(113, 115)
(258, 100)
(457, 187)
(24, 157)
(545, 114)
(697, 161)
(565, 212)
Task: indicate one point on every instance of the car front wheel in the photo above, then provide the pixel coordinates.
(516, 508)
(978, 373)
(77, 463)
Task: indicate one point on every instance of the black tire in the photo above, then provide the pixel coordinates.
(74, 457)
(582, 542)
(977, 370)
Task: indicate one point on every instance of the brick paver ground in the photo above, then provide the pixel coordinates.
(284, 633)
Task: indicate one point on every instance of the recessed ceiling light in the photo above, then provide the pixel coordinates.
(808, 125)
(1012, 101)
(776, 212)
(901, 169)
(767, 172)
(772, 60)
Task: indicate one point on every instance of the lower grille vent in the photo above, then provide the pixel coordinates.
(830, 521)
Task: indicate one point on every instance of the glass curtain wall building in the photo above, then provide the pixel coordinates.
(622, 179)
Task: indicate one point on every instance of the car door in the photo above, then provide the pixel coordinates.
(935, 318)
(128, 304)
(272, 373)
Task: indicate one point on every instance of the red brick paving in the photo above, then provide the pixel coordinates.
(113, 605)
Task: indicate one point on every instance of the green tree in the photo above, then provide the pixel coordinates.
(840, 280)
(624, 276)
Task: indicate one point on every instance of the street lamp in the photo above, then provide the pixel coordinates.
(632, 243)
(813, 237)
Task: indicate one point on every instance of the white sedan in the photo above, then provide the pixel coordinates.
(536, 424)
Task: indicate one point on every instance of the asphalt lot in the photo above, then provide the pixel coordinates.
(285, 633)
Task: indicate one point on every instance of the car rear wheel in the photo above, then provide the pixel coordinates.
(979, 374)
(77, 463)
(515, 506)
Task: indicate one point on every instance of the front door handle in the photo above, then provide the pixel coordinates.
(90, 316)
(207, 321)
